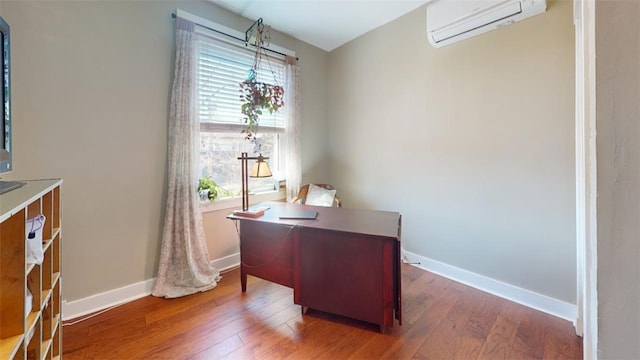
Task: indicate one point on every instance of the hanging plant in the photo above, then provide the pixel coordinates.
(258, 97)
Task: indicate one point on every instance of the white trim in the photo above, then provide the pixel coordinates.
(227, 30)
(125, 294)
(510, 292)
(94, 303)
(227, 262)
(236, 203)
(590, 311)
(97, 302)
(586, 179)
(580, 171)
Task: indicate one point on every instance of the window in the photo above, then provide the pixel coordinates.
(221, 67)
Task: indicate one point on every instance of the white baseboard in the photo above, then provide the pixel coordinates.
(525, 297)
(227, 262)
(107, 299)
(555, 307)
(125, 294)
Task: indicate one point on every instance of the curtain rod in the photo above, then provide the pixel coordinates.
(173, 15)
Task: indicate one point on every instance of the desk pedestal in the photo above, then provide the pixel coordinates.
(266, 251)
(346, 274)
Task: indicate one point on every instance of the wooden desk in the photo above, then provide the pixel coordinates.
(345, 262)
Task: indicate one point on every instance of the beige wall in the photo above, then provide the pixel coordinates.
(479, 132)
(91, 83)
(473, 143)
(475, 140)
(618, 162)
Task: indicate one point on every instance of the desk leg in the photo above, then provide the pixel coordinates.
(243, 278)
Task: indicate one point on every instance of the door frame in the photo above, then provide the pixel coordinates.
(586, 323)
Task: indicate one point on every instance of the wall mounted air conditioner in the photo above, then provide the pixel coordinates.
(449, 21)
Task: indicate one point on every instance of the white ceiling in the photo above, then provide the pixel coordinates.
(326, 24)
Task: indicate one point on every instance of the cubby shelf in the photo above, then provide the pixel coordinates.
(9, 346)
(31, 332)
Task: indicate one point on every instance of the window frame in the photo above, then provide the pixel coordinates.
(277, 160)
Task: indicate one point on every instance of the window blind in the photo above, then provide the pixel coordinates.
(221, 67)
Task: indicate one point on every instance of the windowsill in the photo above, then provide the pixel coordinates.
(236, 203)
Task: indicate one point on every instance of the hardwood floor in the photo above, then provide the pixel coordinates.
(442, 319)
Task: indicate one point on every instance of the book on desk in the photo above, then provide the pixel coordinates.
(253, 212)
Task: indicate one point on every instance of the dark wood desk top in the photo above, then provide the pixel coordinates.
(358, 221)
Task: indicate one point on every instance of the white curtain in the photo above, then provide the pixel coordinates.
(293, 148)
(184, 259)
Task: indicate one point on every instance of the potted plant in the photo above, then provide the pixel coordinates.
(208, 189)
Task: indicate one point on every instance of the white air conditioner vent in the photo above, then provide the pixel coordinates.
(449, 21)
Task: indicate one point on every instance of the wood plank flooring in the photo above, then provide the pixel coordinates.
(442, 319)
